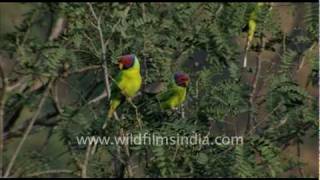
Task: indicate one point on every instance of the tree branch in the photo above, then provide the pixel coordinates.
(39, 122)
(98, 98)
(85, 69)
(103, 49)
(105, 68)
(17, 151)
(253, 93)
(58, 28)
(85, 163)
(265, 118)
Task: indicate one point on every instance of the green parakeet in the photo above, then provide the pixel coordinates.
(127, 82)
(176, 93)
(252, 24)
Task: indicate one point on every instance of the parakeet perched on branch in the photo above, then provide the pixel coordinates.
(176, 93)
(252, 24)
(127, 82)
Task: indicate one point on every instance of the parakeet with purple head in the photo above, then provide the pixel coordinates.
(127, 82)
(175, 95)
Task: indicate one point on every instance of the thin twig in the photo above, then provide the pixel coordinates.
(175, 152)
(58, 28)
(92, 43)
(182, 111)
(76, 160)
(17, 84)
(302, 63)
(85, 163)
(103, 49)
(137, 113)
(126, 148)
(39, 122)
(85, 69)
(101, 96)
(219, 10)
(55, 95)
(98, 98)
(253, 93)
(104, 62)
(300, 170)
(265, 118)
(17, 151)
(46, 141)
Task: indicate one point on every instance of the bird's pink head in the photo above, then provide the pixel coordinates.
(126, 61)
(181, 79)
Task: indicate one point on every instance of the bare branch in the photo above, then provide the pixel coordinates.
(92, 44)
(253, 93)
(17, 151)
(55, 95)
(85, 69)
(302, 63)
(85, 163)
(57, 29)
(39, 122)
(105, 69)
(126, 148)
(99, 98)
(92, 11)
(20, 83)
(103, 50)
(264, 119)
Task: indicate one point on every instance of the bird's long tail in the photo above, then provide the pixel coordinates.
(246, 54)
(115, 102)
(251, 31)
(113, 106)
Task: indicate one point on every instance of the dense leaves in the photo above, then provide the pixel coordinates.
(167, 37)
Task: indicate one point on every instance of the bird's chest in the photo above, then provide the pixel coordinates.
(133, 83)
(179, 98)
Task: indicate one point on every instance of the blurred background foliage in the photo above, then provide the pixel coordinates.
(56, 48)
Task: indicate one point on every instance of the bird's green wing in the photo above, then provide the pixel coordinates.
(173, 97)
(116, 97)
(167, 95)
(115, 86)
